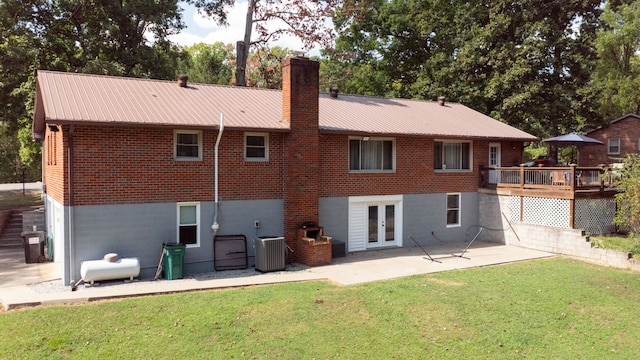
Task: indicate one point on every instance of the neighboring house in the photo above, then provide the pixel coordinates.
(129, 164)
(620, 137)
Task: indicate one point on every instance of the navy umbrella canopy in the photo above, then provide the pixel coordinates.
(572, 139)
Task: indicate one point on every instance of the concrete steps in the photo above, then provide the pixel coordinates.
(11, 235)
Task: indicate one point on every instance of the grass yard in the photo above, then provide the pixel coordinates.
(555, 309)
(14, 200)
(620, 242)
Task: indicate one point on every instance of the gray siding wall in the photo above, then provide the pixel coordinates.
(138, 230)
(333, 215)
(423, 213)
(426, 213)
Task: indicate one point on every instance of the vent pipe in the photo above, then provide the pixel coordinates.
(216, 226)
(333, 92)
(182, 80)
(441, 100)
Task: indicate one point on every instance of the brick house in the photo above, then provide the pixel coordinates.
(621, 137)
(129, 164)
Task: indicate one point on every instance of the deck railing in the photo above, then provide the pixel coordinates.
(570, 178)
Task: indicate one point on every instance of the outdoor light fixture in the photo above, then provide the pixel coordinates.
(53, 128)
(365, 138)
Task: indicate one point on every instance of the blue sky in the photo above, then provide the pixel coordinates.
(202, 29)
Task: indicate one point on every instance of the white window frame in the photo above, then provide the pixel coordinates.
(266, 146)
(445, 141)
(175, 145)
(380, 139)
(609, 145)
(188, 204)
(458, 209)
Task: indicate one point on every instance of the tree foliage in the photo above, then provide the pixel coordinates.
(618, 70)
(523, 62)
(304, 19)
(113, 37)
(628, 201)
(208, 63)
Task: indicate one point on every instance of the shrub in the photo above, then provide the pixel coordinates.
(628, 200)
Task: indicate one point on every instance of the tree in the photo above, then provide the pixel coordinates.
(305, 19)
(628, 201)
(264, 67)
(618, 70)
(526, 63)
(209, 64)
(106, 37)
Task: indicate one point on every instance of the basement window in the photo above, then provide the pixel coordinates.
(189, 224)
(453, 210)
(187, 145)
(256, 147)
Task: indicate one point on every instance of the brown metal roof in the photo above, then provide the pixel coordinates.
(411, 117)
(83, 98)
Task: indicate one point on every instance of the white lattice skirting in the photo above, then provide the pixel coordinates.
(541, 211)
(593, 215)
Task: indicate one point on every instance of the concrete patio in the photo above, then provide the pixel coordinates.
(23, 285)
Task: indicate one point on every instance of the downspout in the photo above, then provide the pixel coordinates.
(215, 226)
(72, 245)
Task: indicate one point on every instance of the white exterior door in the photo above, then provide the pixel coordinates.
(494, 161)
(375, 222)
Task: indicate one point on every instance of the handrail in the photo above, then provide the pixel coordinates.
(557, 178)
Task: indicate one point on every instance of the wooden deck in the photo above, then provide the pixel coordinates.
(557, 182)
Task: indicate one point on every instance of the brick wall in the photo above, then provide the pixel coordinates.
(414, 169)
(54, 162)
(626, 129)
(136, 165)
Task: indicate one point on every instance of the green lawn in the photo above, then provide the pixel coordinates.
(16, 199)
(623, 243)
(554, 309)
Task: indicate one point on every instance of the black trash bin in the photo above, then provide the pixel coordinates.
(34, 246)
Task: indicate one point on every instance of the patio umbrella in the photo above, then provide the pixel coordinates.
(573, 139)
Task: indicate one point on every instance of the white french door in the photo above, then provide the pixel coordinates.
(382, 224)
(375, 222)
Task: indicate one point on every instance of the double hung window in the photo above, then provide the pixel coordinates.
(189, 224)
(187, 144)
(453, 210)
(371, 155)
(452, 155)
(256, 147)
(614, 146)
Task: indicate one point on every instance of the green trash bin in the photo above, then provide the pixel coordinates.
(173, 260)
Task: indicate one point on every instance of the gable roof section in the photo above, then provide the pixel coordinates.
(84, 98)
(71, 98)
(624, 117)
(411, 117)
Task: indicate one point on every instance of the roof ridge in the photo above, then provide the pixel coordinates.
(131, 78)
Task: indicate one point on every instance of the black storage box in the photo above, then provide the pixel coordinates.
(338, 249)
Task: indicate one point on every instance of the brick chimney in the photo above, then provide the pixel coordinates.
(300, 94)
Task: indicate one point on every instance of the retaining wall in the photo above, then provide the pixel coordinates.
(495, 211)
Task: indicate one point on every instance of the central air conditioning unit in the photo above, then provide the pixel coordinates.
(270, 251)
